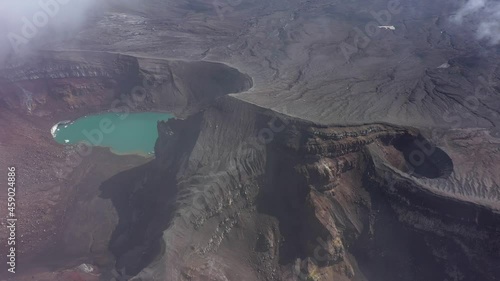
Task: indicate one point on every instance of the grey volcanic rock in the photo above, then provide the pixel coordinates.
(61, 188)
(311, 144)
(306, 201)
(141, 83)
(325, 61)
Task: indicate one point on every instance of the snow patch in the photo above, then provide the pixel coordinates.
(388, 27)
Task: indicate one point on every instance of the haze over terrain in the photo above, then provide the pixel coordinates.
(312, 140)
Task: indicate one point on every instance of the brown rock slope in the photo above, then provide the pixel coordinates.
(240, 192)
(62, 220)
(348, 152)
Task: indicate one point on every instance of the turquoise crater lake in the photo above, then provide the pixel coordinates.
(133, 133)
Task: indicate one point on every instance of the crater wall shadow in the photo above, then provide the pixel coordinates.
(423, 159)
(144, 198)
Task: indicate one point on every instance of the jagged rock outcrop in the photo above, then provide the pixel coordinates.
(344, 152)
(106, 81)
(61, 184)
(239, 190)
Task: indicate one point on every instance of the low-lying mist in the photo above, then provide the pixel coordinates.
(27, 24)
(488, 13)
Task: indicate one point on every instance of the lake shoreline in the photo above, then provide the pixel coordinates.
(110, 129)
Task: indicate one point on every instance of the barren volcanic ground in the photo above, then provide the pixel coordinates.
(308, 144)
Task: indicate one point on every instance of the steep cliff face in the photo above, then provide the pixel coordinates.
(60, 184)
(53, 83)
(241, 192)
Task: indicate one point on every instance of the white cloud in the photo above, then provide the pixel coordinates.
(26, 23)
(470, 7)
(487, 12)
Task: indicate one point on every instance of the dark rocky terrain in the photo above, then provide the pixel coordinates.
(309, 144)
